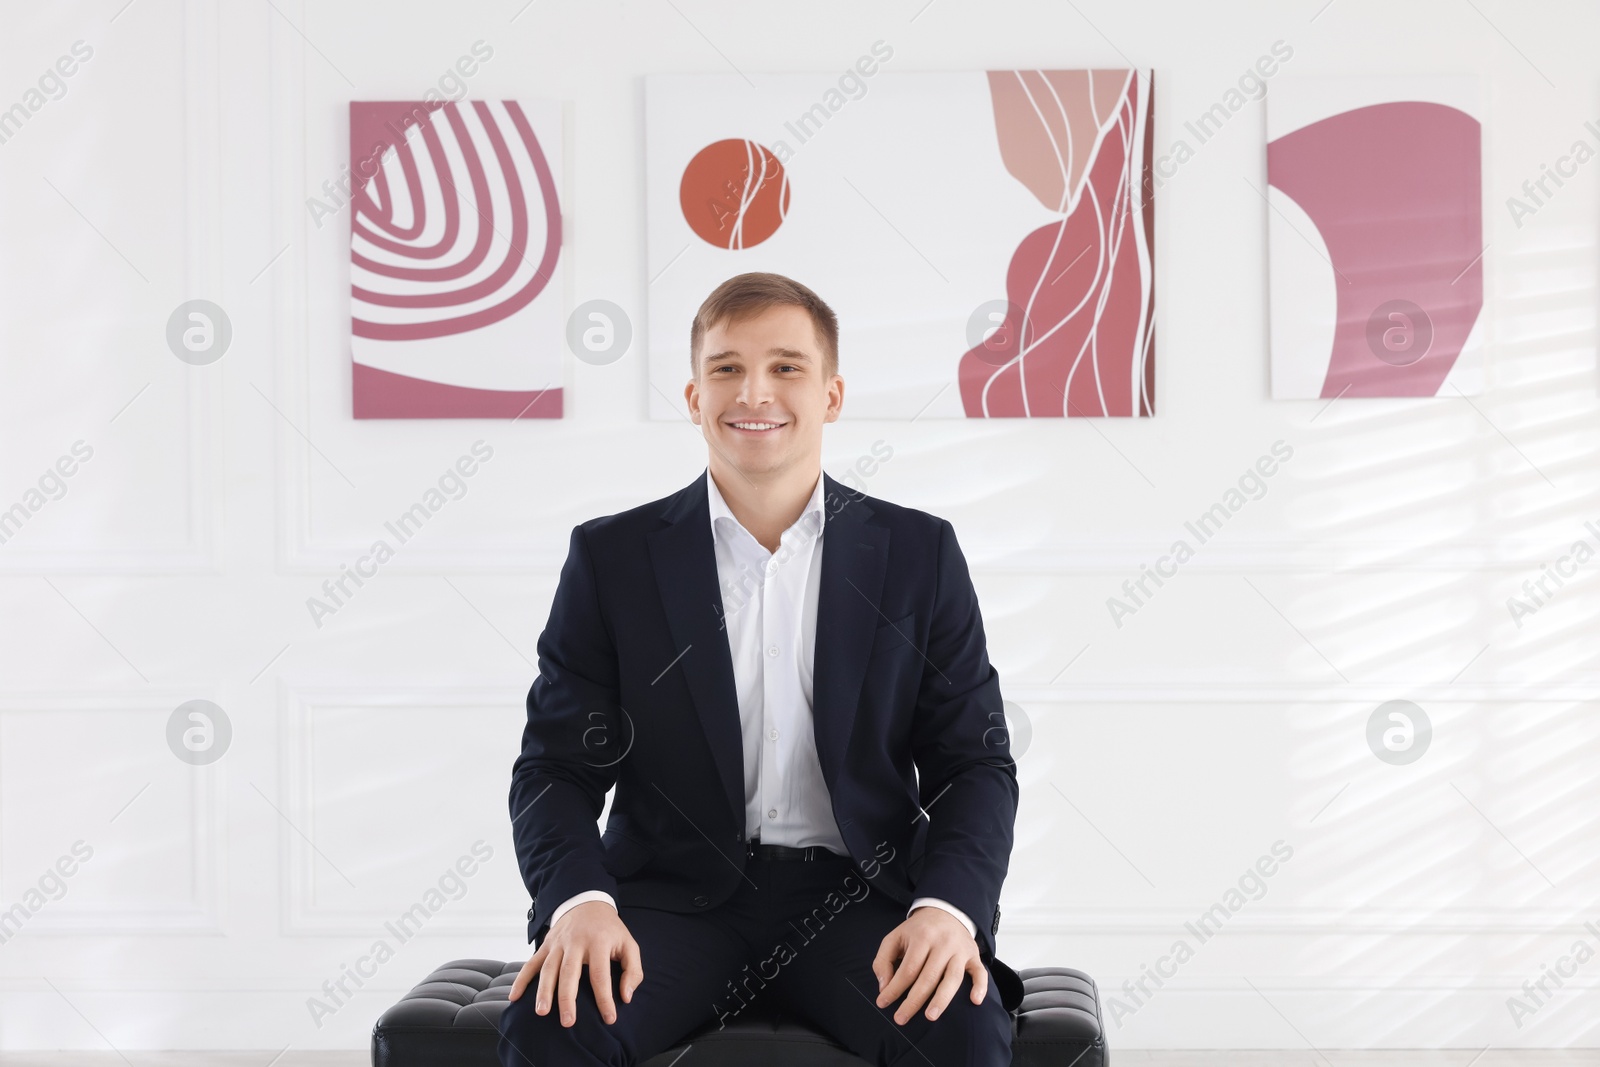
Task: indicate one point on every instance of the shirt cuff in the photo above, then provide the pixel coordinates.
(945, 905)
(581, 898)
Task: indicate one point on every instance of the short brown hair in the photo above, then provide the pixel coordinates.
(747, 295)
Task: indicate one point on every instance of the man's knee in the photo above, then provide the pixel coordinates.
(974, 1035)
(528, 1039)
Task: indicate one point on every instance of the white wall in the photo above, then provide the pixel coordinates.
(1226, 715)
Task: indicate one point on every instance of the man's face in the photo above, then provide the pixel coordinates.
(763, 392)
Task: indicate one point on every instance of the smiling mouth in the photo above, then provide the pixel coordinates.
(756, 428)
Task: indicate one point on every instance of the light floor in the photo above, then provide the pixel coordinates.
(1119, 1058)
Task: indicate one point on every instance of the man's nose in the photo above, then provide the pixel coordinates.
(754, 391)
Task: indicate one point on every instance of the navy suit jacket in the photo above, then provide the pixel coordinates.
(636, 690)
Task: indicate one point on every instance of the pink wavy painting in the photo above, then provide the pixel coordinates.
(459, 229)
(1079, 334)
(1394, 190)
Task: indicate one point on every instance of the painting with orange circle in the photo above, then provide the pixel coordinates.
(734, 194)
(985, 237)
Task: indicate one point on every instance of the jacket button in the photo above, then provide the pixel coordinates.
(701, 901)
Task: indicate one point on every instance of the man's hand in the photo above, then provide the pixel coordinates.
(932, 949)
(591, 933)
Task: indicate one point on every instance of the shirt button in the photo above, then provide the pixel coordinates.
(772, 813)
(772, 650)
(772, 567)
(773, 733)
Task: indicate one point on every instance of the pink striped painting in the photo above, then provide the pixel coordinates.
(455, 241)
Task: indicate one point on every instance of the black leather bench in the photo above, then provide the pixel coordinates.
(452, 1019)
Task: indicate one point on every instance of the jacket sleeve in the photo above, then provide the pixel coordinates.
(569, 745)
(967, 781)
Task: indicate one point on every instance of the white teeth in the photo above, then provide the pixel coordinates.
(755, 426)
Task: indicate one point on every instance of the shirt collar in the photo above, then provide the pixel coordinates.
(719, 507)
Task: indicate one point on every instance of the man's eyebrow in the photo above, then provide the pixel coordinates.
(786, 353)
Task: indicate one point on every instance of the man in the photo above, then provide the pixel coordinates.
(787, 682)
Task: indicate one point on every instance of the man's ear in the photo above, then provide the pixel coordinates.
(691, 397)
(835, 407)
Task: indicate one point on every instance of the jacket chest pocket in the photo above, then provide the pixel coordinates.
(894, 634)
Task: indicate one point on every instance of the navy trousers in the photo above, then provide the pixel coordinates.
(798, 935)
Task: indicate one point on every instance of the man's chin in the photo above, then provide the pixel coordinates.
(754, 461)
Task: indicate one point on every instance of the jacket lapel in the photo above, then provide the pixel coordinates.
(854, 558)
(855, 555)
(685, 562)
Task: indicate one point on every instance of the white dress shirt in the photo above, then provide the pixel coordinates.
(769, 602)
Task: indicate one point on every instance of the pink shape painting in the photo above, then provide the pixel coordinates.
(1078, 330)
(1376, 239)
(984, 236)
(455, 238)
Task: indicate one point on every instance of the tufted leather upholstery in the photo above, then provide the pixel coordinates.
(452, 1018)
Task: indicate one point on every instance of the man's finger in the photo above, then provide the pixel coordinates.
(600, 980)
(980, 979)
(567, 991)
(953, 973)
(893, 976)
(524, 976)
(632, 969)
(548, 972)
(905, 974)
(929, 972)
(883, 962)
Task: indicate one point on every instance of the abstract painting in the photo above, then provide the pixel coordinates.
(1375, 237)
(455, 240)
(986, 238)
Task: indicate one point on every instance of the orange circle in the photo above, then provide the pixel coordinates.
(734, 194)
